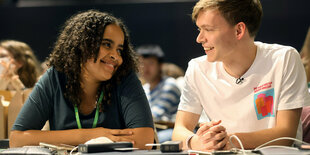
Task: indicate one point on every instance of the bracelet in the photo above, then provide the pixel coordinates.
(187, 141)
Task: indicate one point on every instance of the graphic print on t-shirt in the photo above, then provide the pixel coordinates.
(263, 104)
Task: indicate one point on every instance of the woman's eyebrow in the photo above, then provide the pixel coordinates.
(109, 40)
(112, 42)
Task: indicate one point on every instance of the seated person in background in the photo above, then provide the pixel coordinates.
(172, 70)
(305, 56)
(249, 89)
(305, 115)
(162, 92)
(20, 67)
(90, 90)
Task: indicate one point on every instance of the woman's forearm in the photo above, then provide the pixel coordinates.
(140, 136)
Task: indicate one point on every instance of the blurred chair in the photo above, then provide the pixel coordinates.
(5, 98)
(15, 106)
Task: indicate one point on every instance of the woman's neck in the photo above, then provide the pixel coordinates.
(89, 95)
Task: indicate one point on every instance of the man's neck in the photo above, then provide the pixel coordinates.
(241, 60)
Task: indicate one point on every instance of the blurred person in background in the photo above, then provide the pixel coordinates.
(20, 68)
(173, 70)
(305, 56)
(305, 115)
(162, 92)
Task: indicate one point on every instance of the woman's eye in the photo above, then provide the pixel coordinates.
(120, 51)
(108, 45)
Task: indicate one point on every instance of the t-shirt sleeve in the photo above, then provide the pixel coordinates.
(35, 112)
(135, 107)
(294, 91)
(189, 100)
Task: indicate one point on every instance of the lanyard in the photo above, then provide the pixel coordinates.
(96, 115)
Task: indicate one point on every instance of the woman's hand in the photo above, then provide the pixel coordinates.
(116, 135)
(9, 76)
(138, 136)
(8, 68)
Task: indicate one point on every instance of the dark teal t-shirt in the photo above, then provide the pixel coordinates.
(129, 107)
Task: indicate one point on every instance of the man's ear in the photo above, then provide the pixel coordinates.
(240, 30)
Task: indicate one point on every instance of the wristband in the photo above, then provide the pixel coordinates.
(187, 141)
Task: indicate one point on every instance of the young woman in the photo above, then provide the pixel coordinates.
(90, 90)
(19, 67)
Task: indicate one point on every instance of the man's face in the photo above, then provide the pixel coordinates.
(216, 35)
(150, 68)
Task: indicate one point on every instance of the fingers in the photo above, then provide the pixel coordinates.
(217, 128)
(227, 146)
(211, 135)
(17, 83)
(117, 132)
(214, 139)
(9, 69)
(211, 123)
(122, 139)
(205, 129)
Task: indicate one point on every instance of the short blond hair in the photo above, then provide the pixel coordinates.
(234, 11)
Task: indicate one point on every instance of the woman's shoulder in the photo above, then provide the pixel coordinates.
(130, 78)
(52, 77)
(129, 84)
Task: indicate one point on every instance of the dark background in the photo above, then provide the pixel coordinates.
(163, 22)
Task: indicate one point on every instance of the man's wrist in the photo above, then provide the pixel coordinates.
(188, 139)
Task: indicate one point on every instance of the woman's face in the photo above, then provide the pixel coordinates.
(7, 60)
(109, 57)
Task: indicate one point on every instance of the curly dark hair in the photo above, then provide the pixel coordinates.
(79, 41)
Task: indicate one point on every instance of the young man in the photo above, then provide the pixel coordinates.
(249, 89)
(162, 92)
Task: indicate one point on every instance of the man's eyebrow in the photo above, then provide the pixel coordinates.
(206, 26)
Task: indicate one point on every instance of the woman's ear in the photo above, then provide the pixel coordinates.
(240, 30)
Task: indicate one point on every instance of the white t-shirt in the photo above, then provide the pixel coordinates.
(275, 81)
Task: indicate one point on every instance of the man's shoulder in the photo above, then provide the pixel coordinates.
(274, 48)
(199, 60)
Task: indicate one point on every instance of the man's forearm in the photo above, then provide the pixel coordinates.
(286, 126)
(252, 140)
(181, 134)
